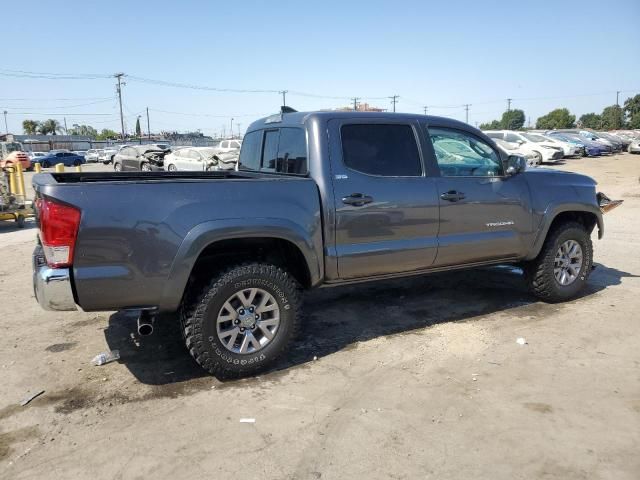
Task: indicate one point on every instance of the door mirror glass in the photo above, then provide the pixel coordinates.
(516, 164)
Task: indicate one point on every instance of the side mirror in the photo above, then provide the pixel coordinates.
(516, 164)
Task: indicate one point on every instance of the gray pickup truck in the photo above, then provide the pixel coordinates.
(319, 199)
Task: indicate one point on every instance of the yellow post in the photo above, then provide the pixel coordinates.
(60, 168)
(38, 168)
(78, 168)
(20, 179)
(12, 179)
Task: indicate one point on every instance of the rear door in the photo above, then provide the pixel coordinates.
(386, 218)
(484, 214)
(129, 160)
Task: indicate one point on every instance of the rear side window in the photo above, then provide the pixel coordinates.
(383, 150)
(281, 150)
(250, 151)
(292, 151)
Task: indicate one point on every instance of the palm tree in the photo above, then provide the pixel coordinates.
(30, 127)
(50, 127)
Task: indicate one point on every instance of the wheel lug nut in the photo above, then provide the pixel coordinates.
(236, 321)
(241, 311)
(251, 309)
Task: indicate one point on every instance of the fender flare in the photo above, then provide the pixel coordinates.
(204, 234)
(552, 212)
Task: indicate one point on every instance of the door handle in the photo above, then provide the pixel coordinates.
(453, 196)
(357, 199)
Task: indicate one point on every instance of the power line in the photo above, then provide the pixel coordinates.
(66, 106)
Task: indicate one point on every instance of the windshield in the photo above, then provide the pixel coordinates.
(534, 138)
(13, 147)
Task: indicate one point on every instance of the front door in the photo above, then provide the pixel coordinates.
(484, 215)
(386, 209)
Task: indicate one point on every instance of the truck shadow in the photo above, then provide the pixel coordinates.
(336, 318)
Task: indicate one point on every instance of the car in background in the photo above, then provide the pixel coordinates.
(514, 149)
(634, 146)
(591, 148)
(82, 153)
(68, 159)
(229, 145)
(569, 149)
(200, 159)
(615, 139)
(107, 154)
(596, 137)
(146, 158)
(12, 153)
(91, 155)
(33, 155)
(543, 151)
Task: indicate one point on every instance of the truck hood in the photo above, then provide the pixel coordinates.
(548, 178)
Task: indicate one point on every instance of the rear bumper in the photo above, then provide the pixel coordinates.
(52, 286)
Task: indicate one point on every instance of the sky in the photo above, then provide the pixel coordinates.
(543, 54)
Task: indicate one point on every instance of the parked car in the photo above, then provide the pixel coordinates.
(229, 145)
(510, 148)
(68, 159)
(634, 146)
(229, 252)
(106, 155)
(80, 153)
(591, 147)
(569, 149)
(146, 158)
(543, 151)
(199, 159)
(618, 141)
(596, 137)
(92, 155)
(11, 153)
(33, 155)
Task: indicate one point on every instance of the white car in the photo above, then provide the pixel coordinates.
(106, 155)
(33, 155)
(515, 149)
(200, 159)
(229, 145)
(543, 150)
(91, 155)
(569, 149)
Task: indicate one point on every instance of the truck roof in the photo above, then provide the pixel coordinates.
(300, 118)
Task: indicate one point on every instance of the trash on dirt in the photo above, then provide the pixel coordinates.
(521, 341)
(31, 397)
(315, 358)
(106, 357)
(247, 420)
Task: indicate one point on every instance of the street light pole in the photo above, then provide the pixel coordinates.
(119, 90)
(6, 128)
(231, 130)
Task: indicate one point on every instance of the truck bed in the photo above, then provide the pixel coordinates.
(139, 232)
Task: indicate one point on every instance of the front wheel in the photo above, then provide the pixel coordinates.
(145, 167)
(172, 168)
(117, 167)
(243, 321)
(538, 156)
(563, 265)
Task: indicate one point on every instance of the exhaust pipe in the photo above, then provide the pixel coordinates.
(145, 324)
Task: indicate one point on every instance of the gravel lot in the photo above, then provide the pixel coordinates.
(418, 378)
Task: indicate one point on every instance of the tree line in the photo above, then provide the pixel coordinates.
(613, 117)
(53, 127)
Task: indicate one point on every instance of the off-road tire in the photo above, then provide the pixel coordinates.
(539, 272)
(199, 314)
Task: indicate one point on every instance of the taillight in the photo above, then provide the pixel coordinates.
(58, 231)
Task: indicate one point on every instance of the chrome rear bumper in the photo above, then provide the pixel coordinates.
(52, 286)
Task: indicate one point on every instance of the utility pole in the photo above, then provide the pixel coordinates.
(355, 103)
(231, 130)
(148, 127)
(509, 104)
(6, 128)
(119, 90)
(238, 125)
(466, 109)
(618, 98)
(284, 97)
(425, 109)
(224, 131)
(394, 100)
(65, 125)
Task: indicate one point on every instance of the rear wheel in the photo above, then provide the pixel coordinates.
(117, 167)
(563, 265)
(172, 168)
(20, 221)
(46, 164)
(77, 163)
(242, 321)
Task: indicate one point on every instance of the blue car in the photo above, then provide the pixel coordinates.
(52, 158)
(591, 148)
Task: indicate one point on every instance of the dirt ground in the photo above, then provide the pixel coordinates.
(418, 378)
